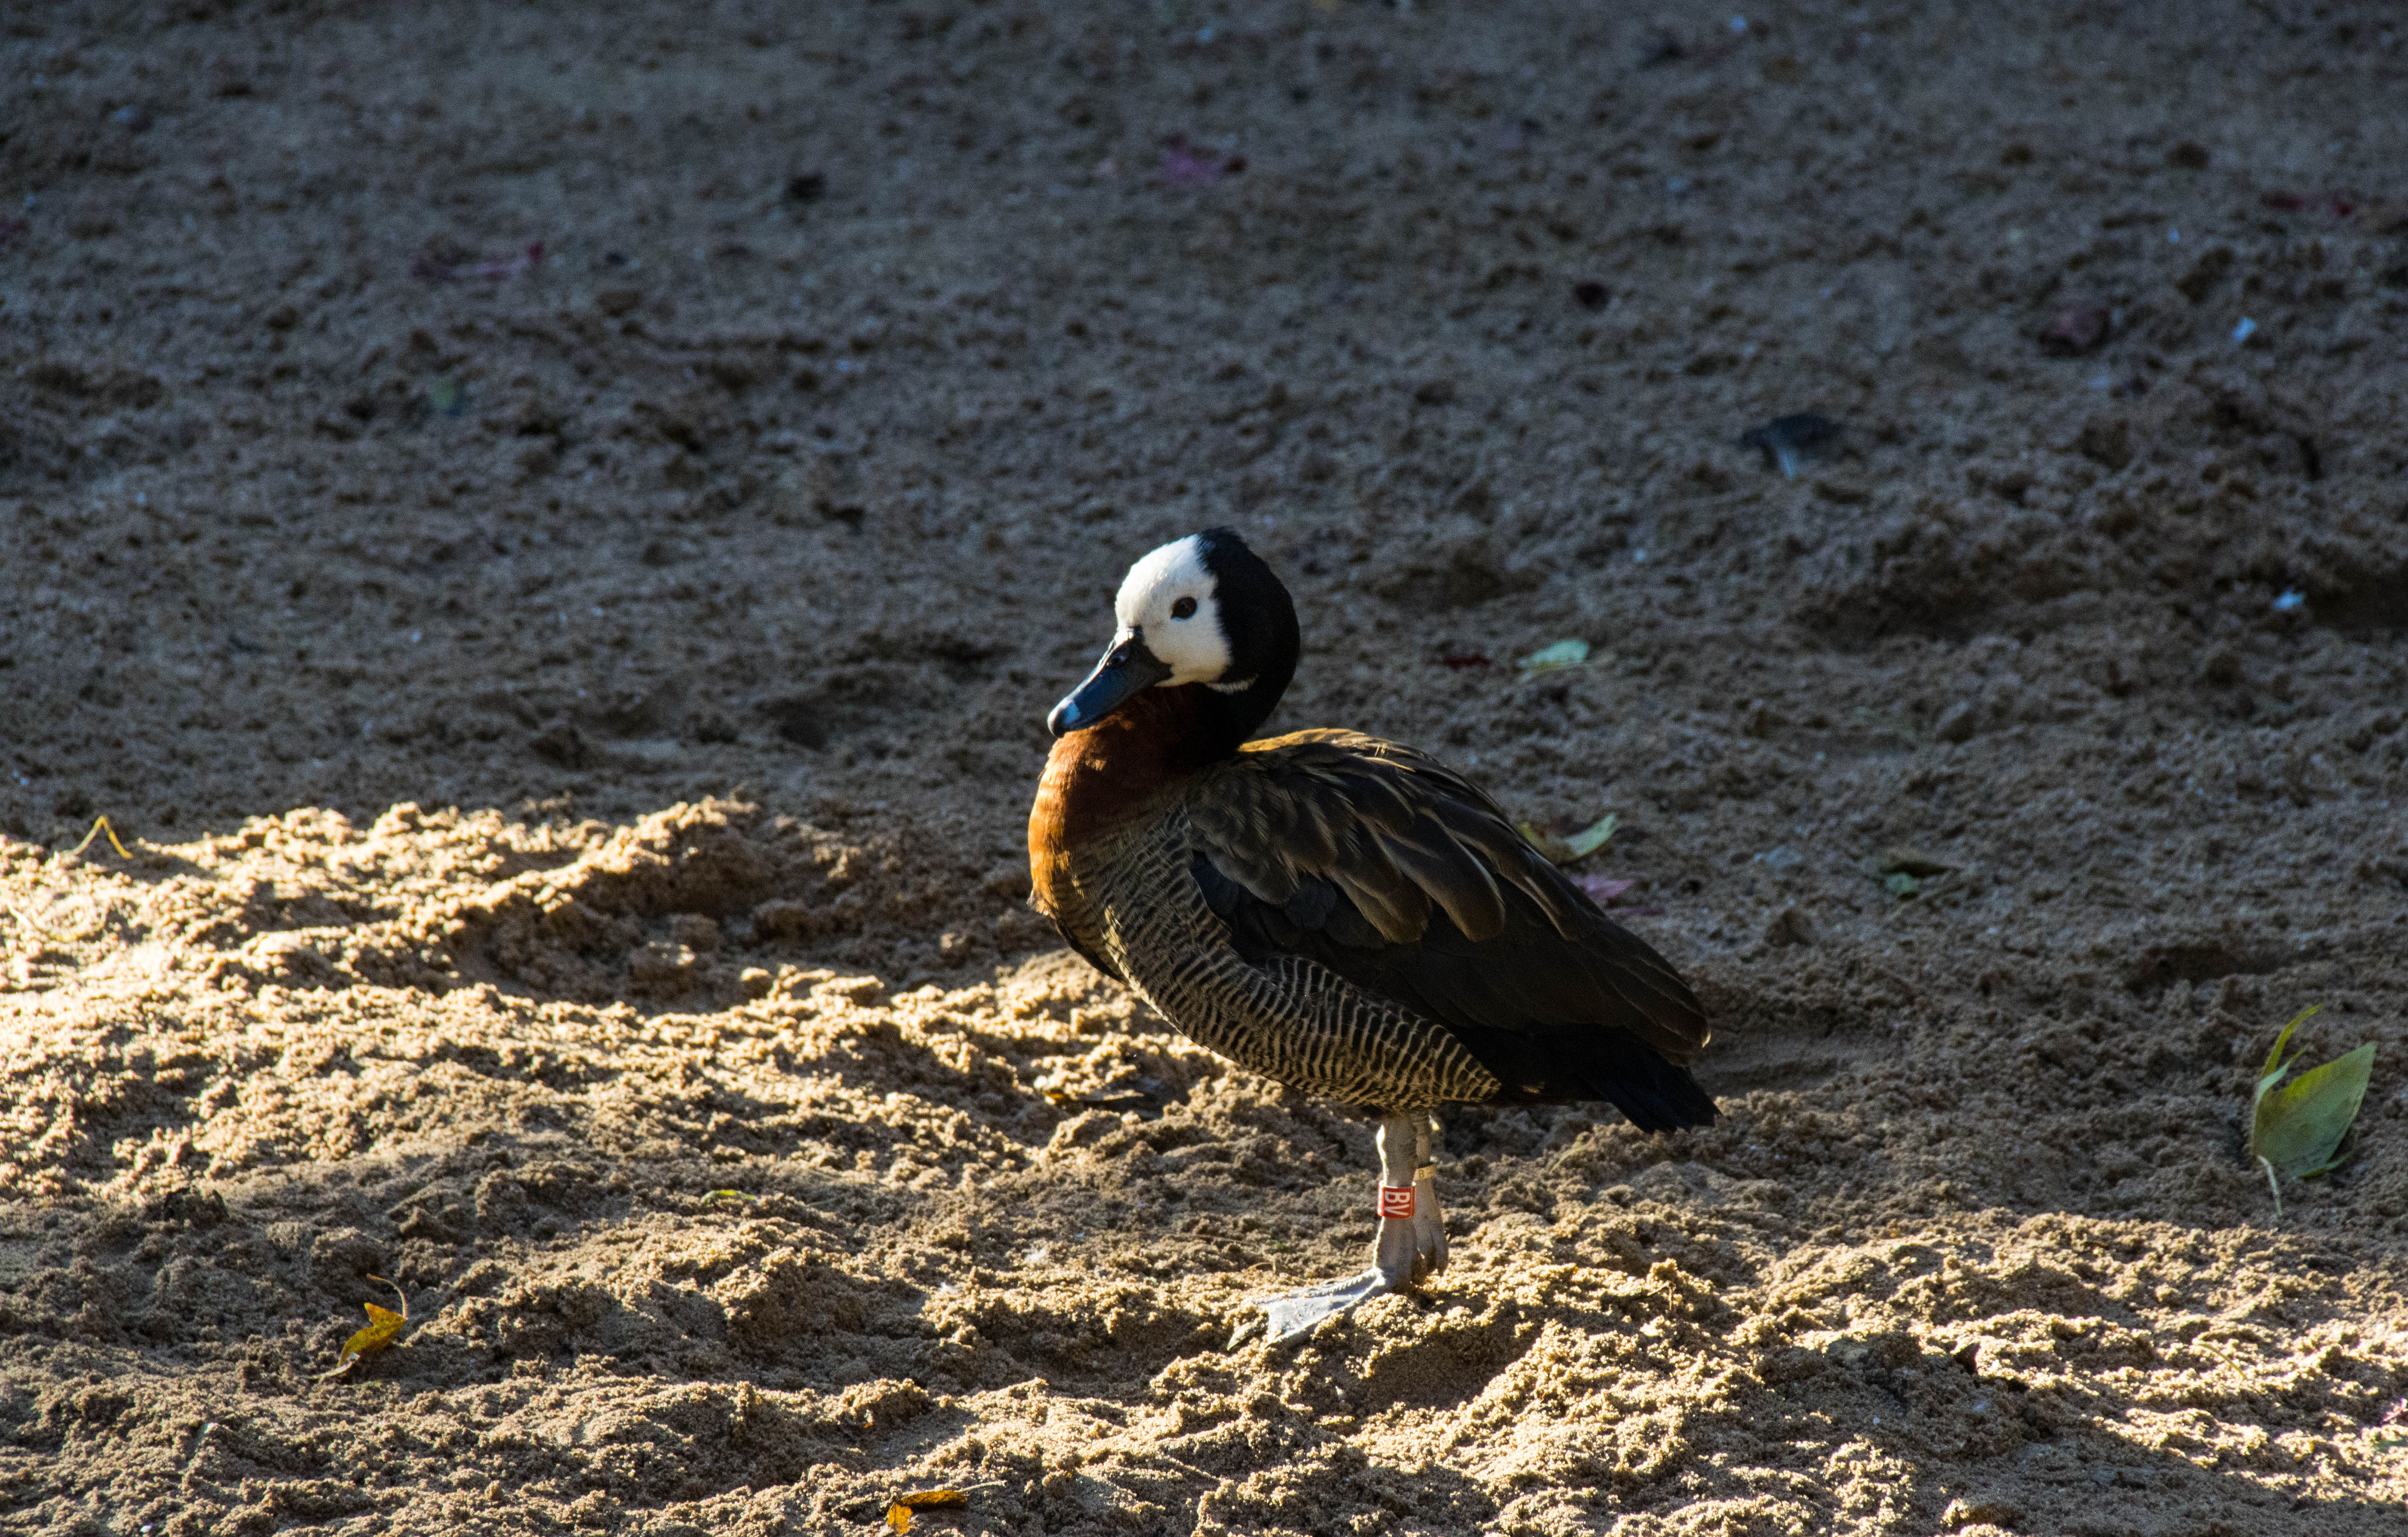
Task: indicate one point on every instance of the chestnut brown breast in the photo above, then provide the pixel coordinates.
(1099, 784)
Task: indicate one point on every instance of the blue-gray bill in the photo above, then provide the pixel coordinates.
(1127, 670)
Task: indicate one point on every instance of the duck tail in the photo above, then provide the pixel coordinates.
(1654, 1094)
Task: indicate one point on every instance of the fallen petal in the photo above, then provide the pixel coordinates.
(1602, 889)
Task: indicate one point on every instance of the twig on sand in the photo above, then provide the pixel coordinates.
(99, 826)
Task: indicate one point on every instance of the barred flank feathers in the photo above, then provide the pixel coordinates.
(1348, 917)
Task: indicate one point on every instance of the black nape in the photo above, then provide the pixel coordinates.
(1258, 622)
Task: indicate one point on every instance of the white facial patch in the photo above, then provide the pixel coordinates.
(1168, 584)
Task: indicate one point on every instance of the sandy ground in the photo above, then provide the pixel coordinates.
(573, 713)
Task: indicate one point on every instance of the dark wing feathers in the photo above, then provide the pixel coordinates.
(1402, 878)
(1452, 877)
(1395, 905)
(1221, 893)
(1315, 899)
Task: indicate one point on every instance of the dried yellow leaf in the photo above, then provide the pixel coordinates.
(898, 1513)
(933, 1500)
(384, 1327)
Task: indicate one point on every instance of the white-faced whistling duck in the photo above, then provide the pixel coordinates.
(1332, 911)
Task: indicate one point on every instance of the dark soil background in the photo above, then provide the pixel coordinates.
(551, 531)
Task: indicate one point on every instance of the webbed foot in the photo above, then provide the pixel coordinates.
(1294, 1314)
(1409, 1248)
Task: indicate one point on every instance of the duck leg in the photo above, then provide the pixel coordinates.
(1408, 1246)
(1430, 1226)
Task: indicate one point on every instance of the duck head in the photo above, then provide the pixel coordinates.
(1202, 616)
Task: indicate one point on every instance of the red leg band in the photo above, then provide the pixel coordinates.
(1397, 1201)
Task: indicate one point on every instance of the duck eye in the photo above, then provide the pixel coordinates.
(1183, 609)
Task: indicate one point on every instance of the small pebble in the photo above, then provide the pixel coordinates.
(2075, 331)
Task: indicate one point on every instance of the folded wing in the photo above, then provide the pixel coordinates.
(1381, 865)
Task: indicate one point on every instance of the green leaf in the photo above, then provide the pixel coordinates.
(1589, 840)
(2296, 1128)
(1563, 653)
(1544, 841)
(1580, 846)
(2300, 1125)
(2274, 1072)
(1901, 885)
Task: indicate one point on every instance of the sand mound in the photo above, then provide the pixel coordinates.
(681, 1255)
